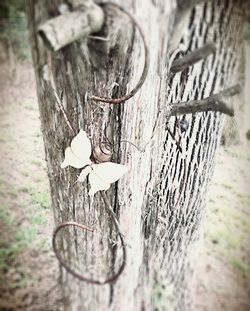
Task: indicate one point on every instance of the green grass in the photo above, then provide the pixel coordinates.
(228, 230)
(239, 154)
(244, 199)
(29, 106)
(23, 240)
(37, 219)
(13, 193)
(15, 30)
(20, 283)
(38, 134)
(19, 240)
(163, 296)
(41, 198)
(6, 257)
(225, 241)
(38, 180)
(24, 189)
(5, 216)
(243, 267)
(24, 173)
(37, 163)
(248, 134)
(220, 196)
(228, 187)
(5, 138)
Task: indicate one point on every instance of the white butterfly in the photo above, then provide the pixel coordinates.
(100, 175)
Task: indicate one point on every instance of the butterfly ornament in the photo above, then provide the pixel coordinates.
(100, 175)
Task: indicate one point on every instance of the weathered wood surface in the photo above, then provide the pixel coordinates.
(72, 25)
(160, 202)
(215, 102)
(192, 58)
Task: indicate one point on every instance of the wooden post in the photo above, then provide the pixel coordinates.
(71, 26)
(160, 202)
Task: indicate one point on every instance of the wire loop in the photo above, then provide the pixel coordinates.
(145, 68)
(76, 274)
(108, 207)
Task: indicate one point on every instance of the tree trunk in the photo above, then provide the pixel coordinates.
(160, 201)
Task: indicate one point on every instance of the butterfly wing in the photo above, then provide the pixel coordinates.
(81, 146)
(96, 183)
(84, 173)
(71, 159)
(78, 154)
(104, 174)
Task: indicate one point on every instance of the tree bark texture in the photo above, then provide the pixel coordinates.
(160, 202)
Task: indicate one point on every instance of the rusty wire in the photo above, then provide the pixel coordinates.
(108, 206)
(145, 68)
(76, 274)
(110, 145)
(114, 220)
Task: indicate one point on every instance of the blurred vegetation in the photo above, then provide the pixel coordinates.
(12, 241)
(13, 27)
(247, 29)
(227, 228)
(248, 134)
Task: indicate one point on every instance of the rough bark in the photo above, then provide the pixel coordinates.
(161, 200)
